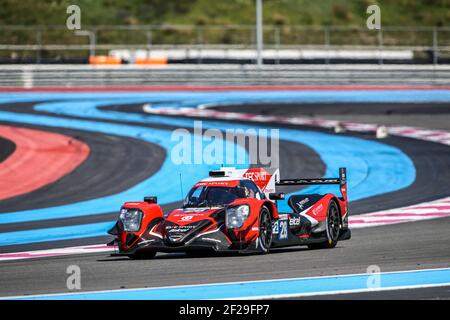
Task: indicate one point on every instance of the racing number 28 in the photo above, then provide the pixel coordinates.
(281, 228)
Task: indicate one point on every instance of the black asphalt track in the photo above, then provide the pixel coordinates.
(7, 147)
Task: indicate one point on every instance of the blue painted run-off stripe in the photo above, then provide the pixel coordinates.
(58, 233)
(286, 287)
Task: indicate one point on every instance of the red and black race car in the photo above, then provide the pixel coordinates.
(235, 210)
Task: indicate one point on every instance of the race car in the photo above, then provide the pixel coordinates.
(235, 210)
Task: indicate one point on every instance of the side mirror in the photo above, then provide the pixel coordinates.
(152, 199)
(277, 196)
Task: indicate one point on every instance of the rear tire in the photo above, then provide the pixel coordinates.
(332, 228)
(265, 230)
(142, 255)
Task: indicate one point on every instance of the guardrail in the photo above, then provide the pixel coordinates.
(29, 76)
(40, 43)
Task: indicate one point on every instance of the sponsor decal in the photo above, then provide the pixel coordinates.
(175, 238)
(317, 210)
(186, 218)
(301, 204)
(193, 212)
(179, 229)
(259, 176)
(294, 221)
(216, 183)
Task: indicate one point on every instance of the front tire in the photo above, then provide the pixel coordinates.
(332, 228)
(265, 230)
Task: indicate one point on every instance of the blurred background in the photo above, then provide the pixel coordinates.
(205, 31)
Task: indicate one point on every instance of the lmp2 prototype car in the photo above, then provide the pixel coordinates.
(235, 210)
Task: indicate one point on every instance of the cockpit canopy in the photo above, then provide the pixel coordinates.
(212, 195)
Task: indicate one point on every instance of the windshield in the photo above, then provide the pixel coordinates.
(205, 196)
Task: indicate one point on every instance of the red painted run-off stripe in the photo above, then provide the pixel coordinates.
(140, 88)
(40, 158)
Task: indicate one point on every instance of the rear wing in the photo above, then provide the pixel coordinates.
(341, 180)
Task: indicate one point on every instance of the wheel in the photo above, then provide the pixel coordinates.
(265, 230)
(142, 255)
(332, 228)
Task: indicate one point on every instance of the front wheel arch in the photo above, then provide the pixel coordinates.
(272, 209)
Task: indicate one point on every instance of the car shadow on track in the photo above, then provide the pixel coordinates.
(202, 255)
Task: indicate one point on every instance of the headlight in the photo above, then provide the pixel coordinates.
(235, 216)
(131, 219)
